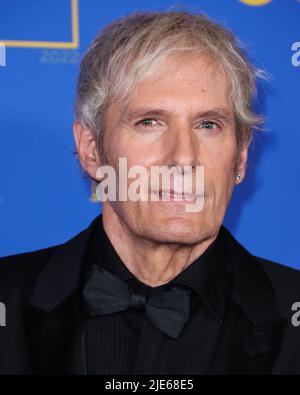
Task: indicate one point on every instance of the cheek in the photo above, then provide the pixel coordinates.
(136, 152)
(219, 172)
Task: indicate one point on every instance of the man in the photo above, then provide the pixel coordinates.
(151, 287)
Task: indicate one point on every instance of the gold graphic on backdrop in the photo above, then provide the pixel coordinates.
(52, 44)
(256, 2)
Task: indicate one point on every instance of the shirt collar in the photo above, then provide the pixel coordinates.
(207, 276)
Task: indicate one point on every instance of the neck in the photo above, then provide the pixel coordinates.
(152, 262)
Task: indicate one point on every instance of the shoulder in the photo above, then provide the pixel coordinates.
(280, 274)
(19, 272)
(27, 262)
(285, 281)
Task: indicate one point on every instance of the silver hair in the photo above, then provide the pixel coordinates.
(131, 48)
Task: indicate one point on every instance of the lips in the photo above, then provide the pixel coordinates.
(172, 195)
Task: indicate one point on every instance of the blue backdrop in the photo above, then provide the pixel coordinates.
(43, 198)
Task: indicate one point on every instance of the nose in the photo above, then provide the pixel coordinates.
(182, 146)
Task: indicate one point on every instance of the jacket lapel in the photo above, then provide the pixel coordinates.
(246, 349)
(54, 318)
(56, 338)
(253, 327)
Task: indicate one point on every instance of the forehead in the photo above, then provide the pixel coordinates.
(181, 83)
(193, 80)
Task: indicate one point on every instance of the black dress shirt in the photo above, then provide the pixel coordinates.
(127, 343)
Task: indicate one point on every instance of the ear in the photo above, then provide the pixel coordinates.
(242, 164)
(86, 149)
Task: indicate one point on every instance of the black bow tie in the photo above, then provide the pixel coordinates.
(168, 310)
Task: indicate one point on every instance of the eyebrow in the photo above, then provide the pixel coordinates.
(220, 113)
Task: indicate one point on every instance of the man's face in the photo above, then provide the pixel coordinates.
(181, 116)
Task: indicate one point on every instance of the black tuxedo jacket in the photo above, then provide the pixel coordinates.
(44, 332)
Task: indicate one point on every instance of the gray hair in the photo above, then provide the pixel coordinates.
(131, 48)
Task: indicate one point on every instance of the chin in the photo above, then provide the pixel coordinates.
(180, 230)
(186, 239)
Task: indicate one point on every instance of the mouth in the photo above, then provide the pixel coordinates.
(174, 196)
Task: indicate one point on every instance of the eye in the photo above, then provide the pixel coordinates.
(148, 122)
(210, 127)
